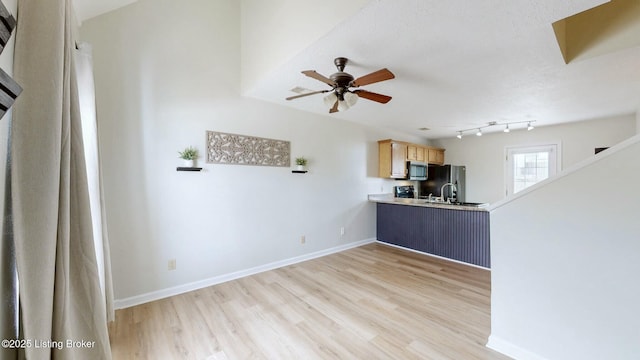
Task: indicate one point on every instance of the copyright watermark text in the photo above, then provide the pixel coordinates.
(47, 344)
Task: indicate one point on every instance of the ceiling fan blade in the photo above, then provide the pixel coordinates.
(374, 77)
(372, 96)
(314, 74)
(334, 108)
(307, 94)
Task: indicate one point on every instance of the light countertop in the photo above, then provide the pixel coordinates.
(389, 199)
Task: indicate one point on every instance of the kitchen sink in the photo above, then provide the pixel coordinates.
(469, 204)
(436, 200)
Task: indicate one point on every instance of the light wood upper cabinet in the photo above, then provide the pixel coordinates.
(416, 153)
(392, 157)
(435, 156)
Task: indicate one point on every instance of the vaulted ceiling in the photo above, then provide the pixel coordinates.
(459, 64)
(86, 9)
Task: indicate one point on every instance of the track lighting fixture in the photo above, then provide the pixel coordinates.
(507, 127)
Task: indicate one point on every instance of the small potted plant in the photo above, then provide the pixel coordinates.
(301, 163)
(189, 155)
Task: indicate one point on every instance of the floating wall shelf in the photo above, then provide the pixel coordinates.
(299, 171)
(188, 169)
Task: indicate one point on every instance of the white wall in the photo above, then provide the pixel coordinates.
(274, 31)
(564, 259)
(484, 156)
(166, 72)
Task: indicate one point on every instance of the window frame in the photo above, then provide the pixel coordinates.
(509, 151)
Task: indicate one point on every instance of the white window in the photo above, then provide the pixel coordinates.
(526, 166)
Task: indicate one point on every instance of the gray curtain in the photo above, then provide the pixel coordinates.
(8, 273)
(60, 295)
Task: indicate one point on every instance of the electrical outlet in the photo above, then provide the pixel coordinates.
(172, 264)
(303, 239)
(342, 231)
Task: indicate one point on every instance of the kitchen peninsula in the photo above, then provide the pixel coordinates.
(457, 232)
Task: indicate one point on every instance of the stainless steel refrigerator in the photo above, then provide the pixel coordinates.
(438, 175)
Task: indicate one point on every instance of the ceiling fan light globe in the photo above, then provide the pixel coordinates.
(343, 106)
(330, 99)
(350, 98)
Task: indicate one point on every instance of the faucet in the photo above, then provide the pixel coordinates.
(453, 187)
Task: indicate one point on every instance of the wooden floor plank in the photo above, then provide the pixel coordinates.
(371, 302)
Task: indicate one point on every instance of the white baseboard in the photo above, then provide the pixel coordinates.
(181, 289)
(432, 255)
(502, 346)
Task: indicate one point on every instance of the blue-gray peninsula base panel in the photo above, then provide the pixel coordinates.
(455, 234)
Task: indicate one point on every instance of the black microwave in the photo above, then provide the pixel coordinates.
(416, 170)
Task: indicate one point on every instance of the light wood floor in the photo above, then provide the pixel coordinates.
(371, 302)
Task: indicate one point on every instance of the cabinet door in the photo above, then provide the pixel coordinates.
(420, 154)
(392, 159)
(398, 160)
(436, 156)
(412, 153)
(416, 153)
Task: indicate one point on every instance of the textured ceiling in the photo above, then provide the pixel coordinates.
(460, 64)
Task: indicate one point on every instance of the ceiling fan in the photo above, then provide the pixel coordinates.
(341, 96)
